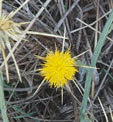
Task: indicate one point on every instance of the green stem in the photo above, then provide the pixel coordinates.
(2, 100)
(97, 51)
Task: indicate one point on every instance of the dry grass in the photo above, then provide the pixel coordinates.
(83, 34)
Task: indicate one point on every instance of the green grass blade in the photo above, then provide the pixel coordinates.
(2, 100)
(21, 113)
(24, 115)
(85, 118)
(108, 74)
(97, 51)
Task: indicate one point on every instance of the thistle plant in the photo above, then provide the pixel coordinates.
(9, 31)
(59, 68)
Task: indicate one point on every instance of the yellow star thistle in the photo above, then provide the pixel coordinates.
(9, 29)
(58, 68)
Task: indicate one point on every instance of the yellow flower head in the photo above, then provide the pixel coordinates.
(58, 68)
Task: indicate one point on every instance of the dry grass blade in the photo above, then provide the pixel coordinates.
(62, 96)
(81, 54)
(92, 27)
(103, 110)
(1, 7)
(111, 113)
(89, 67)
(63, 44)
(45, 34)
(6, 65)
(18, 72)
(86, 25)
(39, 87)
(65, 15)
(77, 87)
(20, 7)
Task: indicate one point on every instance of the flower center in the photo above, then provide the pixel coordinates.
(6, 25)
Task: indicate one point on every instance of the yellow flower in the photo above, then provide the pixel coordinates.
(58, 68)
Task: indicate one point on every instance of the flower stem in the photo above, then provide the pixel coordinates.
(2, 100)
